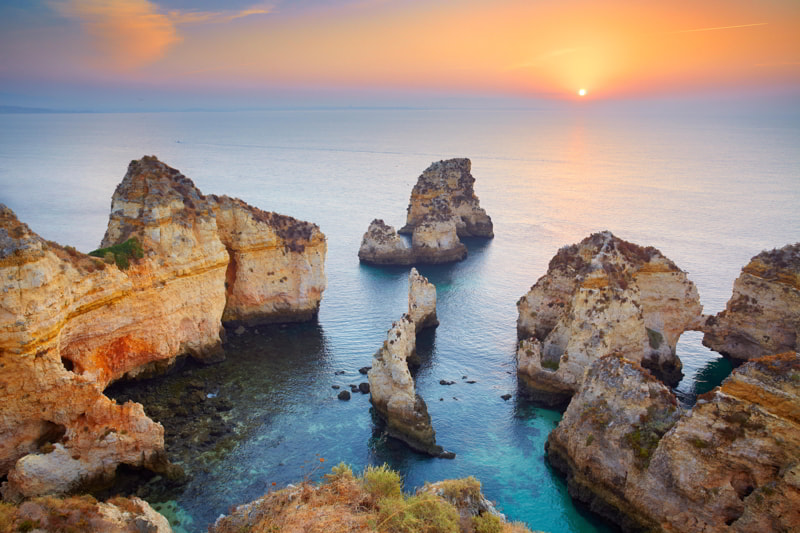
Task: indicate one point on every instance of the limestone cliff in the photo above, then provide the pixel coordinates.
(275, 271)
(732, 463)
(71, 324)
(763, 315)
(600, 296)
(448, 186)
(392, 388)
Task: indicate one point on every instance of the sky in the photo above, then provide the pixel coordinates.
(180, 52)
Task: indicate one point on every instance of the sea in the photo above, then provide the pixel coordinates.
(708, 188)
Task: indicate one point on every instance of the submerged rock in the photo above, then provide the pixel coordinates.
(175, 264)
(732, 463)
(391, 386)
(600, 296)
(763, 315)
(448, 186)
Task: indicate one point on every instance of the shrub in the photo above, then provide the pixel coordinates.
(382, 482)
(122, 253)
(340, 471)
(421, 513)
(487, 523)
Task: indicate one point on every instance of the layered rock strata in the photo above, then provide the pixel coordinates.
(600, 296)
(71, 324)
(433, 241)
(443, 207)
(392, 390)
(763, 315)
(448, 186)
(732, 463)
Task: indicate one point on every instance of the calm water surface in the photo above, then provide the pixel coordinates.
(709, 192)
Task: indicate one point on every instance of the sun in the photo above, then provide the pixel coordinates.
(582, 92)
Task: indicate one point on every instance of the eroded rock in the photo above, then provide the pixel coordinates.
(71, 324)
(763, 315)
(391, 386)
(448, 187)
(382, 245)
(600, 296)
(729, 464)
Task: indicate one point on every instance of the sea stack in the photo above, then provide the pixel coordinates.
(600, 296)
(731, 463)
(443, 207)
(448, 186)
(72, 324)
(762, 316)
(392, 388)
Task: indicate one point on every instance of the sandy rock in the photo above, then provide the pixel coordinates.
(729, 464)
(448, 185)
(435, 240)
(381, 245)
(71, 324)
(421, 301)
(600, 296)
(763, 315)
(391, 386)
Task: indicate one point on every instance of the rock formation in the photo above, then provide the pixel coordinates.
(732, 463)
(391, 386)
(118, 515)
(433, 241)
(443, 207)
(763, 315)
(421, 301)
(600, 296)
(71, 324)
(382, 245)
(448, 186)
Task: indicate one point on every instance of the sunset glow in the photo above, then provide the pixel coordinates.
(582, 92)
(504, 47)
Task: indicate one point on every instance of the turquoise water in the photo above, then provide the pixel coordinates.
(709, 192)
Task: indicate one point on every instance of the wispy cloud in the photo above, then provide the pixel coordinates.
(715, 28)
(133, 33)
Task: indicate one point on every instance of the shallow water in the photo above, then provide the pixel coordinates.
(709, 192)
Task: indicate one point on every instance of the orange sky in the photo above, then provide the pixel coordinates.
(539, 48)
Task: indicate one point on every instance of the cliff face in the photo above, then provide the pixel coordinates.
(382, 245)
(449, 185)
(71, 324)
(730, 464)
(600, 296)
(275, 271)
(763, 315)
(391, 386)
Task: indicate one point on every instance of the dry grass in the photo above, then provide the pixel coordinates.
(373, 501)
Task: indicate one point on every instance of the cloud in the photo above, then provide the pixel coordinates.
(720, 28)
(129, 34)
(216, 17)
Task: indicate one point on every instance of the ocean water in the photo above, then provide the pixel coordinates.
(709, 191)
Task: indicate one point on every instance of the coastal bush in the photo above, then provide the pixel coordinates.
(420, 513)
(382, 482)
(122, 253)
(487, 523)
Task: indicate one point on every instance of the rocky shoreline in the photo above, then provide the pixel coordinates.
(174, 264)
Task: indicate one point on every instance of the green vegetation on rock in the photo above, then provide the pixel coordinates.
(121, 254)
